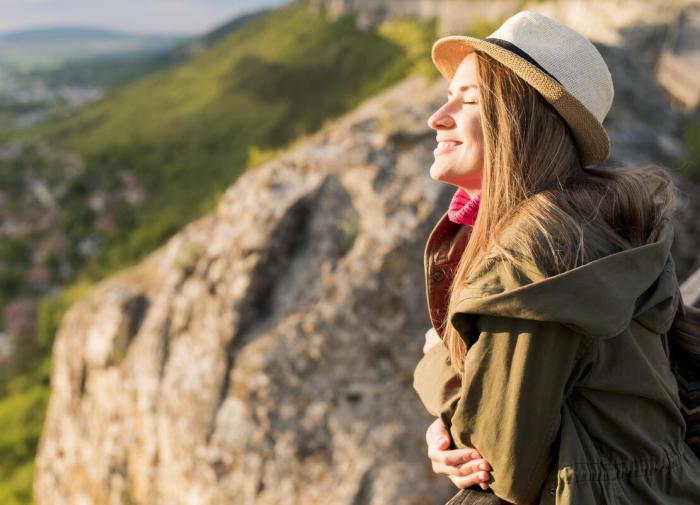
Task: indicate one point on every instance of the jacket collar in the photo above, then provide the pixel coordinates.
(599, 298)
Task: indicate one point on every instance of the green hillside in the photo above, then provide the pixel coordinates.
(186, 133)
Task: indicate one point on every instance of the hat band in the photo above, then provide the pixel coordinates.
(515, 49)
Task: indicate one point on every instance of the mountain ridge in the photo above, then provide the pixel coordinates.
(77, 31)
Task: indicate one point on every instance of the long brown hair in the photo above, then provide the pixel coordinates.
(532, 172)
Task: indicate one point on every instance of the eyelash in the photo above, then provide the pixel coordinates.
(466, 103)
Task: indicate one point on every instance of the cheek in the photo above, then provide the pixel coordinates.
(474, 129)
(470, 127)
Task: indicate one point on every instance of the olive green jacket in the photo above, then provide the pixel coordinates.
(566, 389)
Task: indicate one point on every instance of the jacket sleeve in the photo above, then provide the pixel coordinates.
(437, 382)
(517, 375)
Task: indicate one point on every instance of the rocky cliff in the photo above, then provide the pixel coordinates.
(600, 20)
(265, 353)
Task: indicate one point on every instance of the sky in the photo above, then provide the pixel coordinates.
(186, 17)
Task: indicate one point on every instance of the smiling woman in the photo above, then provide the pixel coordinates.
(545, 366)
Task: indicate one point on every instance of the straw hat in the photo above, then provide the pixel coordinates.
(554, 59)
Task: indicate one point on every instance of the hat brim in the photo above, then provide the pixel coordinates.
(592, 140)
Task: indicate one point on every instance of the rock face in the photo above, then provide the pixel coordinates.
(679, 66)
(599, 20)
(264, 354)
(451, 16)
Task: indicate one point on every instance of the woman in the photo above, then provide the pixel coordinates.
(550, 283)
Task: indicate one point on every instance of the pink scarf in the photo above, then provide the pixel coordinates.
(463, 209)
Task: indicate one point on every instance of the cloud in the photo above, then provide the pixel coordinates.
(136, 16)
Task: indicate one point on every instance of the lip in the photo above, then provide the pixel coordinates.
(443, 148)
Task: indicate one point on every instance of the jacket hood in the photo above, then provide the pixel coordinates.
(599, 298)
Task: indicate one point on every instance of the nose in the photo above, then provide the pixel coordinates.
(441, 118)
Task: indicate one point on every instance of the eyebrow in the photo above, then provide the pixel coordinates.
(462, 88)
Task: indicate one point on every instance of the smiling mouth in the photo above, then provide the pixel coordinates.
(446, 145)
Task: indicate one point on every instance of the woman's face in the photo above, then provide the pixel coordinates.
(459, 157)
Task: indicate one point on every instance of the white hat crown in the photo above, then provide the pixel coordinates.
(554, 47)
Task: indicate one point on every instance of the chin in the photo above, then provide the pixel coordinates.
(439, 171)
(455, 173)
(442, 173)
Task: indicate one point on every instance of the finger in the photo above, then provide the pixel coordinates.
(451, 457)
(435, 431)
(474, 466)
(477, 464)
(455, 471)
(458, 457)
(433, 428)
(439, 439)
(463, 470)
(440, 442)
(469, 480)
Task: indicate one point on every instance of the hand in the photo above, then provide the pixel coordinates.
(462, 466)
(431, 338)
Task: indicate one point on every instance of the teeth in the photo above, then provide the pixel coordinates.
(448, 143)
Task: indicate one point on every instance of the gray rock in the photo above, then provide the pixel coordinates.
(265, 353)
(678, 69)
